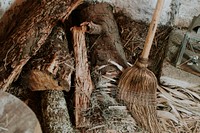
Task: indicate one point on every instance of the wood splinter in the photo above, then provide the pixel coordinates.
(83, 82)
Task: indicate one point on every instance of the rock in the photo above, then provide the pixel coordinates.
(173, 76)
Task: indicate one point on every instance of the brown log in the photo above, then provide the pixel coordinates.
(83, 82)
(16, 117)
(105, 114)
(55, 113)
(11, 19)
(30, 35)
(52, 66)
(107, 46)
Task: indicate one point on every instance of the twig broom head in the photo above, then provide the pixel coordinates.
(138, 87)
(137, 79)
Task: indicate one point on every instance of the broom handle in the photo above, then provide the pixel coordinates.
(152, 29)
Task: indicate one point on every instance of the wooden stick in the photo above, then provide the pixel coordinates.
(30, 35)
(152, 29)
(83, 82)
(52, 66)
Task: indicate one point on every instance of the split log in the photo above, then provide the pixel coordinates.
(105, 114)
(52, 66)
(30, 35)
(83, 82)
(16, 117)
(55, 113)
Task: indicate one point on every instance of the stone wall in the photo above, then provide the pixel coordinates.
(175, 12)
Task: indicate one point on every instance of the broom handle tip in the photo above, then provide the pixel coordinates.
(152, 29)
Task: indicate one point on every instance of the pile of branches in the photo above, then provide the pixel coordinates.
(53, 61)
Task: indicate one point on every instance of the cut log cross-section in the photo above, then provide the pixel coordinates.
(83, 82)
(30, 35)
(16, 116)
(52, 66)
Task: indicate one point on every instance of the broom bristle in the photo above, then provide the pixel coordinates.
(138, 87)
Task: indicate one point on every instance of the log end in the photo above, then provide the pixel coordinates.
(39, 81)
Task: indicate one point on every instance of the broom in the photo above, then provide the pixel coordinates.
(138, 85)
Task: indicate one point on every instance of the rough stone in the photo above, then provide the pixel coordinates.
(173, 76)
(175, 38)
(187, 10)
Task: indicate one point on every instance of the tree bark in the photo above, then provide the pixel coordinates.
(30, 35)
(83, 82)
(107, 46)
(52, 66)
(106, 114)
(11, 18)
(55, 113)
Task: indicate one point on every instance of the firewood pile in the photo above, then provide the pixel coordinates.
(64, 59)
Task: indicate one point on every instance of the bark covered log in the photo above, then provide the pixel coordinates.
(55, 113)
(11, 19)
(30, 34)
(106, 114)
(52, 66)
(83, 82)
(107, 46)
